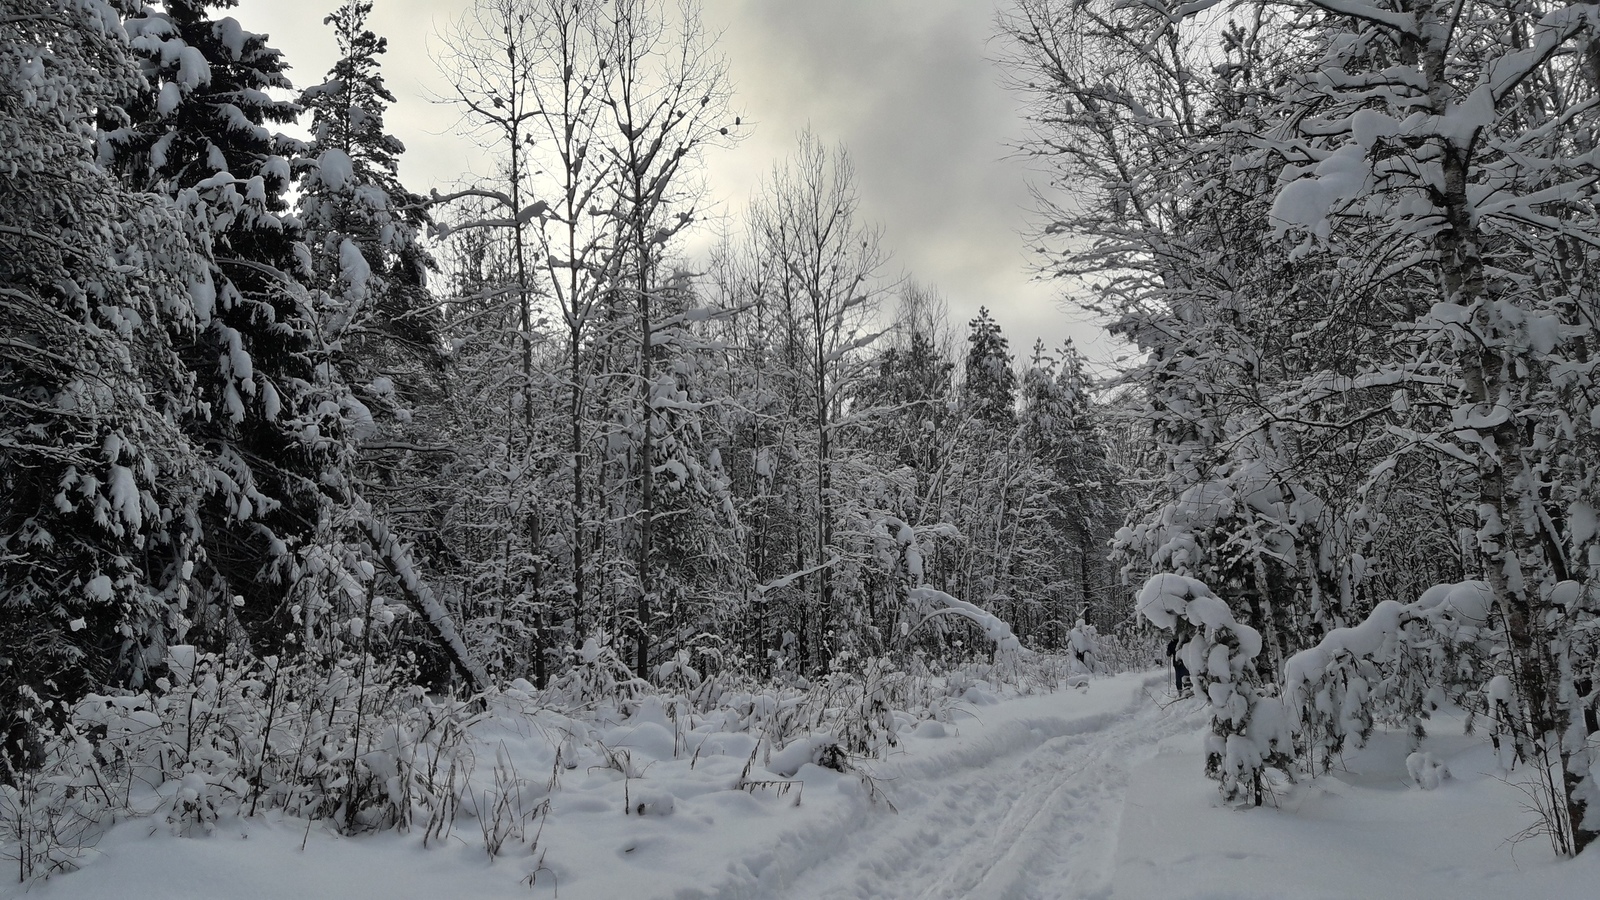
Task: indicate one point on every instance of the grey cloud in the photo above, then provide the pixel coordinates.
(905, 85)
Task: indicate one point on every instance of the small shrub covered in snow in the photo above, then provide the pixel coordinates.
(1394, 667)
(820, 749)
(1083, 648)
(1425, 771)
(1248, 732)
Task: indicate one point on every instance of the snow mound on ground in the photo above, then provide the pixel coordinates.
(815, 749)
(1425, 771)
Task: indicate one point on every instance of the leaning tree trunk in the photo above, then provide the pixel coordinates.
(397, 558)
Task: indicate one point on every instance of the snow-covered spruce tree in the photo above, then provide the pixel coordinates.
(994, 472)
(1473, 159)
(378, 322)
(702, 568)
(199, 136)
(989, 388)
(98, 486)
(363, 227)
(697, 564)
(274, 413)
(1059, 421)
(1013, 495)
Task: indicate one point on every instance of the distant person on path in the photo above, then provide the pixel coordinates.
(1180, 672)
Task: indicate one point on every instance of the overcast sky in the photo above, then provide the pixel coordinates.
(905, 85)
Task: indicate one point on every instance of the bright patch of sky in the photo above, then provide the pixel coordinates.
(907, 86)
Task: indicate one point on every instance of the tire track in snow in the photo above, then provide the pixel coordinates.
(1032, 813)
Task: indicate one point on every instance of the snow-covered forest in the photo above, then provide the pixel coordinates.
(553, 509)
(1357, 245)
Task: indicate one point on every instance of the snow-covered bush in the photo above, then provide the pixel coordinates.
(1248, 732)
(1083, 648)
(866, 722)
(1396, 667)
(52, 809)
(347, 739)
(597, 675)
(677, 675)
(1425, 771)
(1130, 649)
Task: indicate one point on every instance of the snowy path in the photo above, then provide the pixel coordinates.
(1029, 810)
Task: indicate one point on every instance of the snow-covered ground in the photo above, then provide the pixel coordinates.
(1367, 831)
(1093, 792)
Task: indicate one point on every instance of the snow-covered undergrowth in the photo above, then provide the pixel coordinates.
(1400, 664)
(636, 818)
(345, 740)
(1085, 792)
(350, 748)
(1406, 667)
(1363, 828)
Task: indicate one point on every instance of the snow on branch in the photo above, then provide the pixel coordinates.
(1393, 666)
(934, 603)
(1404, 23)
(783, 581)
(1553, 31)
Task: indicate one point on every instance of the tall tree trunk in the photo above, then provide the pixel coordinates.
(647, 498)
(1517, 565)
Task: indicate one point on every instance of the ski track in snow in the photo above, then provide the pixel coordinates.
(1031, 814)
